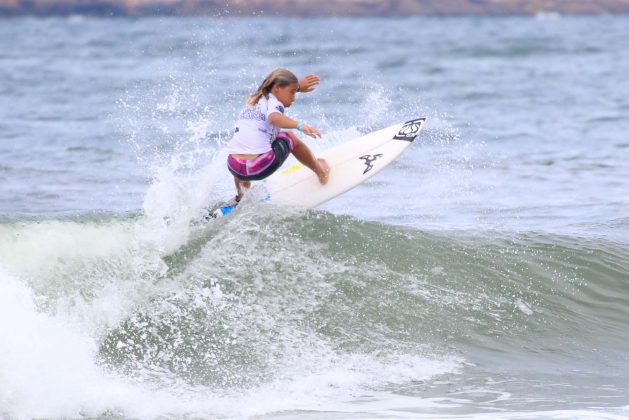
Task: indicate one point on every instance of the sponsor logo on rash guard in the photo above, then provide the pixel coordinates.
(252, 114)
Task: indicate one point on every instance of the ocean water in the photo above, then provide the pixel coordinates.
(485, 274)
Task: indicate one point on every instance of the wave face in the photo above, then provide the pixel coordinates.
(325, 309)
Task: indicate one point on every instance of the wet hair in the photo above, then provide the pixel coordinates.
(279, 77)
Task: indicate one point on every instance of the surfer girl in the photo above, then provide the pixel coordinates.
(261, 144)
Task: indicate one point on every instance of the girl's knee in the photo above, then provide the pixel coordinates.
(294, 138)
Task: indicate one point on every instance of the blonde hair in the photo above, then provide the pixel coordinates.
(280, 77)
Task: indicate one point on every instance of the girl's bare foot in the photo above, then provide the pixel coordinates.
(323, 171)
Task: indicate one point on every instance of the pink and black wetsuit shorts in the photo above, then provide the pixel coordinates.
(265, 164)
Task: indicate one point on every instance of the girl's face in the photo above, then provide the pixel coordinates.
(286, 94)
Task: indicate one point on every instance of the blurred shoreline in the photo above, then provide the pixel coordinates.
(312, 8)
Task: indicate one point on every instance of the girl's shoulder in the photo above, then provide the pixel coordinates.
(274, 103)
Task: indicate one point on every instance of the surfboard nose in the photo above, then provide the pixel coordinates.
(410, 129)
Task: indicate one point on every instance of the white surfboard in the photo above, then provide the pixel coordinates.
(351, 163)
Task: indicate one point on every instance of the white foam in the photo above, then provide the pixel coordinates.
(523, 307)
(93, 273)
(33, 249)
(331, 381)
(46, 368)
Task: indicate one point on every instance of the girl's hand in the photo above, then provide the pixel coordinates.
(308, 83)
(310, 131)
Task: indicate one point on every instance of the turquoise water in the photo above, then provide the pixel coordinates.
(483, 275)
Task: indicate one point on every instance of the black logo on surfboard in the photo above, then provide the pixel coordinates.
(369, 159)
(410, 129)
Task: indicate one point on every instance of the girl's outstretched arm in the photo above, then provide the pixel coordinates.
(282, 121)
(308, 83)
